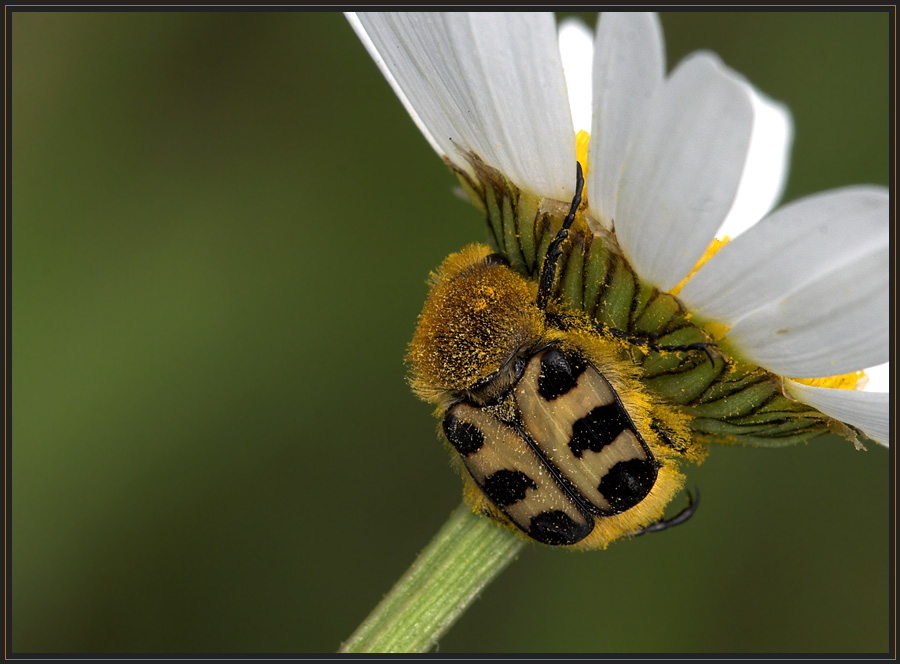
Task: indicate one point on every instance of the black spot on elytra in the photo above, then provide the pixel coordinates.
(598, 429)
(559, 373)
(464, 436)
(507, 487)
(556, 527)
(628, 483)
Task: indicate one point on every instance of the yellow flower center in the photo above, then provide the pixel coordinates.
(716, 330)
(582, 139)
(714, 246)
(850, 381)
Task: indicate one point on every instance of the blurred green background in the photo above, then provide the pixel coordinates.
(222, 227)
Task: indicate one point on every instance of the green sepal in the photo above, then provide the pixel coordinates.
(727, 400)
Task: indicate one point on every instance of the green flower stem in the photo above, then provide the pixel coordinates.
(465, 555)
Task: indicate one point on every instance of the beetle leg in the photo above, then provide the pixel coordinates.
(677, 520)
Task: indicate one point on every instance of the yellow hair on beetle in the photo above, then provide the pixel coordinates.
(553, 432)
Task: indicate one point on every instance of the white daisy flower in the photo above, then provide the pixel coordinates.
(675, 160)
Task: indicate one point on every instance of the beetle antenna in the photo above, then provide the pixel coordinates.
(554, 251)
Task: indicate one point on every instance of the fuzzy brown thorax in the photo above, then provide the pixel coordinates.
(478, 315)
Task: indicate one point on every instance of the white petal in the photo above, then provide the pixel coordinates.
(373, 52)
(766, 170)
(576, 46)
(879, 378)
(683, 169)
(490, 83)
(629, 68)
(805, 291)
(867, 411)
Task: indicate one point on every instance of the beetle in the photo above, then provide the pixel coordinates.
(550, 426)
